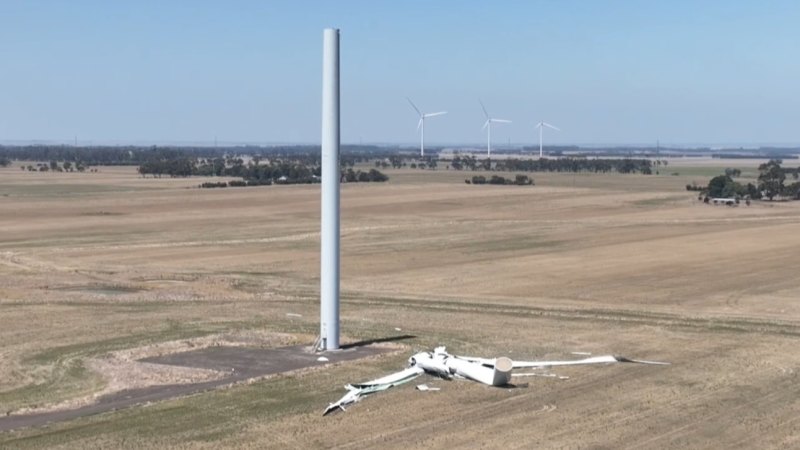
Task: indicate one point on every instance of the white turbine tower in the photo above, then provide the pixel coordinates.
(421, 124)
(329, 220)
(488, 126)
(541, 125)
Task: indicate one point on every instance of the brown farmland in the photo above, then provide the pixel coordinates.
(98, 270)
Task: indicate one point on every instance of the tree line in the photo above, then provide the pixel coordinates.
(100, 155)
(519, 180)
(54, 166)
(596, 165)
(253, 173)
(771, 183)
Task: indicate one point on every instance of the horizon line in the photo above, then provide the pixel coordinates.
(411, 145)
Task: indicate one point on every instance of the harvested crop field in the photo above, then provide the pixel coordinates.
(100, 270)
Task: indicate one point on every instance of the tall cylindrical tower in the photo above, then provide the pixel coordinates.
(329, 248)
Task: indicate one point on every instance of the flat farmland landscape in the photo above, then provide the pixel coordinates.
(100, 270)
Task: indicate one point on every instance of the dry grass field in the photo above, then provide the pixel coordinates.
(100, 269)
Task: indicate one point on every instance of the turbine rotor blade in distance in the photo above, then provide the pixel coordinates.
(419, 124)
(414, 106)
(484, 109)
(500, 120)
(551, 126)
(440, 113)
(486, 124)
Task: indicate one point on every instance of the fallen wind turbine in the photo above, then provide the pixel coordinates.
(496, 372)
(541, 126)
(421, 124)
(488, 126)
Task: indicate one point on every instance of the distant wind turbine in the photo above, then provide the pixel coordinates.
(541, 125)
(421, 124)
(488, 126)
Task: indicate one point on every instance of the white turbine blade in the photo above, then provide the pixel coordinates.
(501, 120)
(414, 106)
(551, 126)
(419, 124)
(539, 124)
(440, 113)
(355, 392)
(484, 109)
(482, 361)
(391, 380)
(546, 375)
(486, 124)
(593, 360)
(606, 359)
(642, 361)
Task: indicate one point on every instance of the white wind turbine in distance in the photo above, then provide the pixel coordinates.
(488, 126)
(541, 126)
(421, 125)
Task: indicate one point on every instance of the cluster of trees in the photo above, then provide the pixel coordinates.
(219, 184)
(101, 155)
(723, 186)
(236, 183)
(792, 191)
(54, 166)
(733, 173)
(695, 187)
(272, 171)
(771, 184)
(358, 176)
(348, 175)
(398, 161)
(253, 173)
(4, 161)
(174, 167)
(519, 180)
(464, 163)
(281, 171)
(771, 179)
(597, 165)
(277, 171)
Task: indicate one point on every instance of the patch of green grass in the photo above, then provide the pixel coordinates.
(61, 189)
(84, 239)
(711, 171)
(172, 331)
(512, 243)
(701, 171)
(65, 377)
(109, 289)
(660, 201)
(210, 417)
(102, 213)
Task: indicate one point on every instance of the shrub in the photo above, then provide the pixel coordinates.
(221, 184)
(522, 180)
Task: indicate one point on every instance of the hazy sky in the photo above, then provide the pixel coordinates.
(604, 71)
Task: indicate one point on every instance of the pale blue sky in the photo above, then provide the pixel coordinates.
(684, 72)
